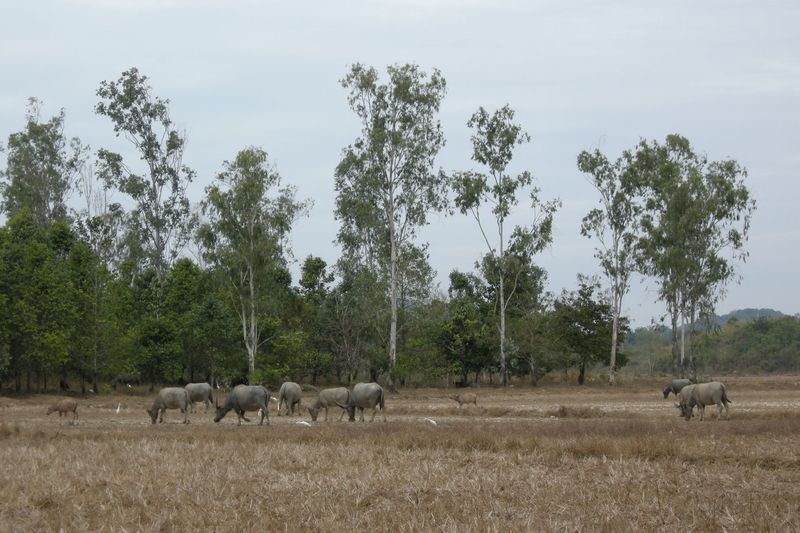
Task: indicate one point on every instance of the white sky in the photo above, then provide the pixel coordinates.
(580, 74)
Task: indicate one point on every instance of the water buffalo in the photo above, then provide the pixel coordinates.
(289, 394)
(199, 392)
(339, 397)
(464, 397)
(683, 400)
(675, 387)
(245, 398)
(707, 394)
(366, 396)
(170, 398)
(65, 406)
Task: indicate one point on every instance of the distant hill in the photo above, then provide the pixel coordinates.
(744, 315)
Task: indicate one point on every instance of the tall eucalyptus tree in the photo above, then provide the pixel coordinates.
(385, 183)
(250, 217)
(495, 138)
(161, 218)
(615, 225)
(695, 214)
(41, 169)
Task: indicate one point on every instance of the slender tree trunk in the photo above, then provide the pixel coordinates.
(612, 369)
(683, 340)
(676, 369)
(692, 318)
(582, 373)
(618, 289)
(393, 304)
(503, 369)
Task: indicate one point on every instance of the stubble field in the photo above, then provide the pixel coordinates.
(553, 458)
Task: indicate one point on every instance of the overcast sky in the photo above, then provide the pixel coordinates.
(581, 75)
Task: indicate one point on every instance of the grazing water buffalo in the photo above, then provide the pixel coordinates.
(464, 397)
(683, 400)
(245, 398)
(366, 396)
(675, 387)
(339, 397)
(707, 394)
(170, 398)
(199, 392)
(63, 407)
(289, 394)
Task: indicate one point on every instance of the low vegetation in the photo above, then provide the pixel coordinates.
(550, 458)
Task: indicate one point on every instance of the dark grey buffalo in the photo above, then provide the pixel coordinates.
(289, 394)
(366, 396)
(703, 394)
(199, 392)
(170, 398)
(338, 397)
(245, 398)
(675, 387)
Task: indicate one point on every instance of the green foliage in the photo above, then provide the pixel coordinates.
(495, 138)
(111, 299)
(385, 182)
(41, 168)
(581, 328)
(161, 220)
(761, 345)
(695, 221)
(250, 218)
(159, 351)
(615, 226)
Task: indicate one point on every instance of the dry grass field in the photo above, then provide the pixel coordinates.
(552, 458)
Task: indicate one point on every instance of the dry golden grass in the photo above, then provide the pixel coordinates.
(552, 458)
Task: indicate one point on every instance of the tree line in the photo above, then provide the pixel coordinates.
(755, 346)
(164, 291)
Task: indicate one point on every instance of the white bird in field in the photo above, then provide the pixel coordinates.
(119, 406)
(273, 399)
(129, 385)
(91, 390)
(303, 423)
(431, 421)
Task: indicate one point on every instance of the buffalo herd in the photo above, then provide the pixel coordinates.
(363, 396)
(245, 398)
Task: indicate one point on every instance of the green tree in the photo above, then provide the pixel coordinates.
(495, 138)
(161, 221)
(315, 279)
(385, 182)
(464, 336)
(41, 168)
(246, 237)
(695, 223)
(42, 312)
(614, 224)
(581, 327)
(99, 226)
(358, 317)
(186, 307)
